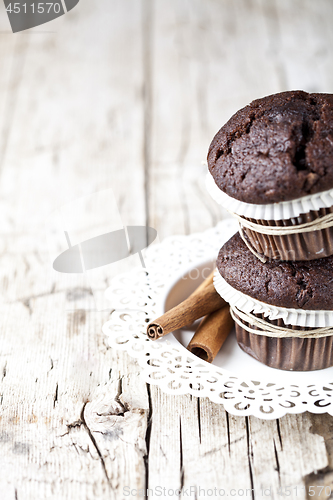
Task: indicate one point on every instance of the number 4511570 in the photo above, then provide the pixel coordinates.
(39, 8)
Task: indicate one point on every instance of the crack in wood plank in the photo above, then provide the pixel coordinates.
(277, 462)
(250, 456)
(93, 440)
(228, 430)
(279, 433)
(55, 399)
(147, 440)
(4, 371)
(181, 455)
(124, 407)
(199, 421)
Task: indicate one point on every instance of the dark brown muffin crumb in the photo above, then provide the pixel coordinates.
(299, 285)
(277, 148)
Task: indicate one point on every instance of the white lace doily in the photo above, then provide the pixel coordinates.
(243, 385)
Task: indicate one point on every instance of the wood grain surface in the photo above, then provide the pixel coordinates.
(126, 95)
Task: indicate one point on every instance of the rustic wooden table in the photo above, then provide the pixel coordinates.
(127, 95)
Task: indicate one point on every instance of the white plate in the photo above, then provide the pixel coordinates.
(243, 385)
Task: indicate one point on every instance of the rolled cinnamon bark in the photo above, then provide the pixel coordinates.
(201, 302)
(211, 334)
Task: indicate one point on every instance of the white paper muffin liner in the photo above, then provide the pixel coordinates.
(299, 317)
(272, 211)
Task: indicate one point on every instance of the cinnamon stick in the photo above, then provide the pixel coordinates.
(201, 302)
(211, 334)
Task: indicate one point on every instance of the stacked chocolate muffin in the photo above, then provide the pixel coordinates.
(271, 166)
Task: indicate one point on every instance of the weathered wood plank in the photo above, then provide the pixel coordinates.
(220, 56)
(283, 453)
(63, 391)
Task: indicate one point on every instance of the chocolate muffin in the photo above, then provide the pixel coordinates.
(275, 159)
(275, 149)
(282, 309)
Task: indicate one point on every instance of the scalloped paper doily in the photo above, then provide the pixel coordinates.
(243, 385)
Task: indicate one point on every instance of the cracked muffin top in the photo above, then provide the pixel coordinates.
(299, 285)
(277, 148)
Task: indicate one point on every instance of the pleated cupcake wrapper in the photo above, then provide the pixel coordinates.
(298, 246)
(273, 211)
(290, 316)
(299, 354)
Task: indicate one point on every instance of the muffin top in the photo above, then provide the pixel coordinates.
(299, 285)
(277, 148)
